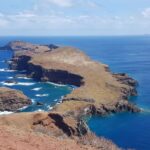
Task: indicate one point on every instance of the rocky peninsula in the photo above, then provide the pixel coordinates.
(99, 91)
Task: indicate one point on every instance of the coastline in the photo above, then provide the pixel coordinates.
(88, 107)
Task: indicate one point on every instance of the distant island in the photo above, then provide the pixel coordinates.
(98, 90)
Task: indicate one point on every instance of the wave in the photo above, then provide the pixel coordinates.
(23, 108)
(37, 89)
(25, 78)
(55, 84)
(39, 110)
(2, 70)
(10, 77)
(5, 112)
(6, 70)
(17, 83)
(49, 107)
(33, 101)
(25, 83)
(8, 84)
(42, 95)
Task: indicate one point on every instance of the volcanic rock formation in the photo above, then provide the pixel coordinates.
(12, 100)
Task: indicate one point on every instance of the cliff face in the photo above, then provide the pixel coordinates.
(12, 100)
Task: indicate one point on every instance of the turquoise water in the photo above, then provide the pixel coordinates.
(48, 94)
(129, 54)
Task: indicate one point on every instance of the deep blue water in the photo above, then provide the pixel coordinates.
(129, 54)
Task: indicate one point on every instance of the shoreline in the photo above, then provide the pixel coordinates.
(84, 105)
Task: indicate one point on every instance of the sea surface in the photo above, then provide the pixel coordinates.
(128, 54)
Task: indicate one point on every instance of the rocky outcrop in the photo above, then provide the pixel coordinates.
(24, 46)
(12, 100)
(56, 126)
(102, 110)
(13, 138)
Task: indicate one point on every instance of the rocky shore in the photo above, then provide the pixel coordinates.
(12, 100)
(99, 91)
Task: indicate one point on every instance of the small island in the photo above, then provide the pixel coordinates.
(12, 100)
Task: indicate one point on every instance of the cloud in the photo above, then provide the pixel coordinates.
(3, 22)
(61, 3)
(31, 23)
(146, 13)
(84, 17)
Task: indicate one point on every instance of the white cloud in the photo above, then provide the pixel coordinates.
(146, 13)
(61, 3)
(33, 22)
(3, 22)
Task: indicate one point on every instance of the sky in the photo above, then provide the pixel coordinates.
(74, 17)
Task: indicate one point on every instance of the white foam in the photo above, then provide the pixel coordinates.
(25, 78)
(37, 89)
(42, 95)
(17, 83)
(59, 102)
(33, 100)
(5, 112)
(10, 77)
(23, 108)
(39, 110)
(2, 70)
(25, 83)
(9, 61)
(50, 107)
(55, 100)
(6, 70)
(56, 84)
(8, 84)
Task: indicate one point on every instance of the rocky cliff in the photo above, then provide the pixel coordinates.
(12, 100)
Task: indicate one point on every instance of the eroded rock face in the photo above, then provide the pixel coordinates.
(12, 100)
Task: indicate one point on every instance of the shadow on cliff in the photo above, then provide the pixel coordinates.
(59, 122)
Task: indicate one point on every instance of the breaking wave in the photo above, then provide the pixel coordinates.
(42, 95)
(37, 89)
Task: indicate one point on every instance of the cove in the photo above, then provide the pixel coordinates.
(45, 93)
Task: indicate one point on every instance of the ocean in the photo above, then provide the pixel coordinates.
(128, 54)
